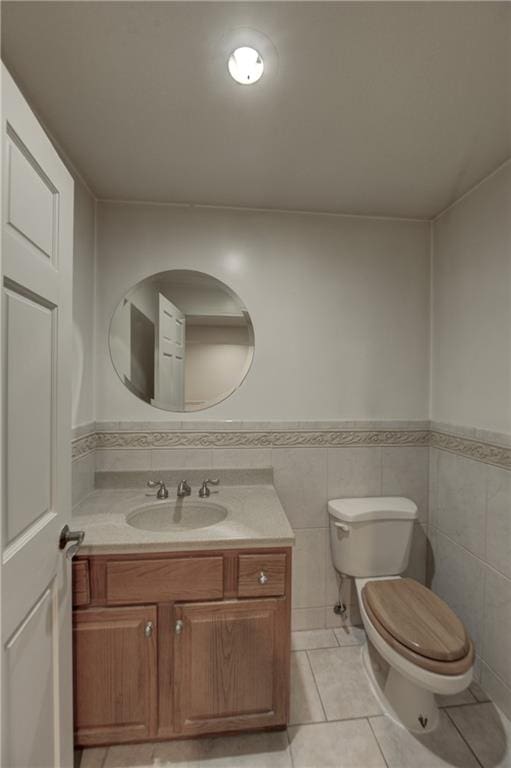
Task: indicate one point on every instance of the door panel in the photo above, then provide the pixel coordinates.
(30, 722)
(230, 666)
(37, 241)
(31, 198)
(169, 363)
(115, 674)
(28, 389)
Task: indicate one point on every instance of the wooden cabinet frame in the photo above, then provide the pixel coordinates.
(241, 611)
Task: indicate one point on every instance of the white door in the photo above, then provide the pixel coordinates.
(37, 242)
(169, 356)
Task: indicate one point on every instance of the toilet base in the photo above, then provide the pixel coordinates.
(410, 706)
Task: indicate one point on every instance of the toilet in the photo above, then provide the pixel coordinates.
(425, 648)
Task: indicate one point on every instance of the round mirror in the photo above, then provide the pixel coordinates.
(181, 340)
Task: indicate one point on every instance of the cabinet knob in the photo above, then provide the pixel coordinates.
(263, 578)
(179, 627)
(148, 629)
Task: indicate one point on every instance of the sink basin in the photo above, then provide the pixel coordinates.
(177, 516)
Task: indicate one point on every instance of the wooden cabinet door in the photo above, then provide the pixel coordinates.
(115, 672)
(231, 665)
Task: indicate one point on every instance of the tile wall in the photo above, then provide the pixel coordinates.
(459, 478)
(470, 562)
(309, 467)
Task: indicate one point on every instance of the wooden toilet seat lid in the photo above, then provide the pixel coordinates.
(417, 618)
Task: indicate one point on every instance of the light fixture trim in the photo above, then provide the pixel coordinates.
(245, 65)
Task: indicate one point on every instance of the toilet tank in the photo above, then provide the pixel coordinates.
(371, 536)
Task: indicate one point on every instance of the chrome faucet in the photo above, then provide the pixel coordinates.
(162, 492)
(204, 491)
(183, 489)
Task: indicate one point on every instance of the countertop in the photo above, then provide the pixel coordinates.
(255, 518)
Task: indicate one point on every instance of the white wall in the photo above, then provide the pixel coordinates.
(471, 361)
(83, 306)
(217, 358)
(340, 307)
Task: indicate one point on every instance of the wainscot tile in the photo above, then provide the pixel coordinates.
(300, 479)
(497, 690)
(180, 458)
(461, 501)
(309, 568)
(405, 473)
(241, 458)
(114, 459)
(458, 578)
(497, 625)
(307, 618)
(498, 520)
(354, 472)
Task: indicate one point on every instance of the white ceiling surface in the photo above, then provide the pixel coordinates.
(372, 108)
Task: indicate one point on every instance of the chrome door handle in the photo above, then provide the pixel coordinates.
(179, 627)
(148, 629)
(71, 537)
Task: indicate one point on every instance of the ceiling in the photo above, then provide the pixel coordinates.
(381, 108)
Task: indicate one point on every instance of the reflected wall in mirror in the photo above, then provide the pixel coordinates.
(181, 340)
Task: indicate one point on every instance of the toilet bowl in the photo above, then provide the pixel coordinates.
(425, 648)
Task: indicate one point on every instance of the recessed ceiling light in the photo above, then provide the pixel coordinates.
(246, 65)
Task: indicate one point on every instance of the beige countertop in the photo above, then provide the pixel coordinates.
(255, 518)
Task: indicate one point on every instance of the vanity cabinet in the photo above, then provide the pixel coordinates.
(115, 674)
(229, 666)
(169, 645)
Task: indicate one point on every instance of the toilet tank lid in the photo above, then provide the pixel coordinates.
(373, 508)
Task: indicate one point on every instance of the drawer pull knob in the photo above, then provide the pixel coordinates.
(263, 578)
(148, 629)
(179, 627)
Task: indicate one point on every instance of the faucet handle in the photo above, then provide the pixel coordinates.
(162, 492)
(204, 489)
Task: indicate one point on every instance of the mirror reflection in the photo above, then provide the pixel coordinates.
(181, 340)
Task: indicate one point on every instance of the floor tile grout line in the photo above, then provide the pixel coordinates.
(451, 719)
(376, 738)
(339, 720)
(317, 687)
(290, 748)
(462, 704)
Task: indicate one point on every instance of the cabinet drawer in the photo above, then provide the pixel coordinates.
(160, 581)
(260, 575)
(81, 588)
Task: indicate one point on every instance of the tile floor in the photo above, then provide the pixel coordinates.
(336, 723)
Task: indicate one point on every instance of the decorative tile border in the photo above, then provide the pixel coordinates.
(83, 445)
(275, 439)
(470, 447)
(498, 456)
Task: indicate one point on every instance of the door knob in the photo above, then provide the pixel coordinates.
(71, 537)
(179, 627)
(148, 629)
